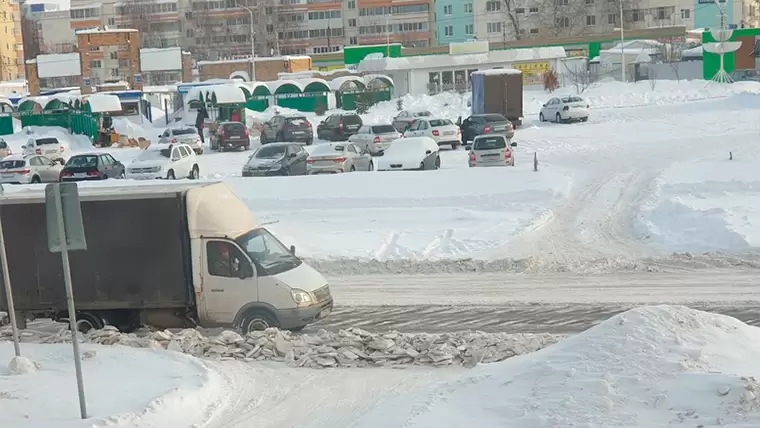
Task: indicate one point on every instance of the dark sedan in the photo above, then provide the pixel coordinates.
(91, 167)
(481, 124)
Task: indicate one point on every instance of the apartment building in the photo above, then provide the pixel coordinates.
(11, 41)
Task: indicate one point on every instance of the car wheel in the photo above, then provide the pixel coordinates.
(371, 166)
(585, 119)
(438, 163)
(541, 117)
(558, 118)
(122, 176)
(454, 146)
(194, 173)
(353, 168)
(36, 179)
(310, 142)
(104, 177)
(422, 165)
(170, 175)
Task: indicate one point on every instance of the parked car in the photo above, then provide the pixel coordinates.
(5, 149)
(406, 119)
(19, 169)
(48, 146)
(479, 124)
(92, 166)
(165, 161)
(375, 138)
(339, 127)
(287, 127)
(443, 131)
(415, 153)
(339, 157)
(491, 150)
(185, 135)
(565, 109)
(230, 135)
(277, 159)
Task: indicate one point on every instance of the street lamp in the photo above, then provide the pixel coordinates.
(253, 44)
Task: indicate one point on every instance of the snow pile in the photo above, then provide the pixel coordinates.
(346, 348)
(648, 367)
(75, 142)
(153, 388)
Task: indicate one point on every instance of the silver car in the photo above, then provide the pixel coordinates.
(375, 138)
(491, 150)
(18, 169)
(183, 135)
(338, 157)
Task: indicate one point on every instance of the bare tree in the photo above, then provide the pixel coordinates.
(670, 51)
(563, 18)
(31, 37)
(138, 14)
(514, 20)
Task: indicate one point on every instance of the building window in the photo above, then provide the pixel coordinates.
(662, 13)
(114, 55)
(352, 22)
(494, 27)
(612, 19)
(520, 10)
(325, 14)
(533, 10)
(469, 29)
(562, 22)
(353, 40)
(534, 31)
(95, 64)
(447, 9)
(352, 4)
(448, 31)
(493, 6)
(561, 2)
(637, 15)
(468, 8)
(111, 21)
(590, 20)
(686, 13)
(123, 63)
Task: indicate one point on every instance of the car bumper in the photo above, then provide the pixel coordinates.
(263, 173)
(234, 144)
(575, 114)
(147, 176)
(330, 169)
(20, 179)
(299, 317)
(69, 179)
(299, 138)
(490, 164)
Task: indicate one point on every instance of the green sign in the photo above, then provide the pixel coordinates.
(352, 55)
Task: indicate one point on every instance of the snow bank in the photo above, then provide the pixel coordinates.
(347, 348)
(123, 387)
(76, 142)
(648, 367)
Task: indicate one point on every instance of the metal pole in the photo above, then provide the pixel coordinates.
(387, 38)
(70, 299)
(253, 43)
(8, 292)
(622, 41)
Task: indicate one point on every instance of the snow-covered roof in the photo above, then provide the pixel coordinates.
(273, 86)
(106, 30)
(498, 71)
(499, 57)
(309, 81)
(102, 103)
(370, 77)
(251, 86)
(336, 83)
(225, 94)
(693, 52)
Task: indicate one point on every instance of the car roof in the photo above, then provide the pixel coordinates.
(292, 115)
(279, 143)
(484, 136)
(16, 157)
(90, 154)
(230, 122)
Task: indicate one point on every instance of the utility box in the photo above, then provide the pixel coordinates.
(498, 91)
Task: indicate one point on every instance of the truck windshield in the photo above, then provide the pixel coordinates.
(267, 252)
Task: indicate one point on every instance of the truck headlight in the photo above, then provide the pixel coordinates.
(301, 297)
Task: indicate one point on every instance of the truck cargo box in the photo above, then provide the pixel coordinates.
(137, 250)
(498, 91)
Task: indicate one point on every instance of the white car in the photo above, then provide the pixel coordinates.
(564, 109)
(414, 153)
(375, 138)
(491, 150)
(51, 147)
(442, 131)
(170, 161)
(19, 169)
(183, 135)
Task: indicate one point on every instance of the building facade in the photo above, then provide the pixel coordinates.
(11, 41)
(454, 21)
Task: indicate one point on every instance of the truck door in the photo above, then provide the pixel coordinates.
(229, 280)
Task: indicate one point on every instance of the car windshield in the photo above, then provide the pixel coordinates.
(421, 114)
(83, 162)
(351, 119)
(43, 141)
(267, 252)
(154, 154)
(184, 131)
(270, 152)
(572, 100)
(384, 129)
(440, 122)
(12, 164)
(489, 143)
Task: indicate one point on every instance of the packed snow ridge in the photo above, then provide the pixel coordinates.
(346, 348)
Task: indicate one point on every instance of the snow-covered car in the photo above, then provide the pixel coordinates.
(170, 161)
(407, 118)
(338, 157)
(491, 150)
(565, 109)
(51, 147)
(414, 153)
(183, 135)
(19, 169)
(442, 131)
(375, 138)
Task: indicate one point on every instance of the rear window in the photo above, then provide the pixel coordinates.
(235, 128)
(12, 164)
(494, 118)
(327, 149)
(572, 100)
(296, 121)
(83, 162)
(440, 122)
(490, 143)
(352, 119)
(43, 141)
(3, 145)
(186, 131)
(421, 114)
(271, 152)
(384, 129)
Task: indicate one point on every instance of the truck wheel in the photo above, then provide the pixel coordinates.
(297, 329)
(87, 321)
(258, 320)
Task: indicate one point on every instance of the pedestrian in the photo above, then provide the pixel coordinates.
(235, 117)
(199, 120)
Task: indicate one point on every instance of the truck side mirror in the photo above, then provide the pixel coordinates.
(293, 250)
(513, 144)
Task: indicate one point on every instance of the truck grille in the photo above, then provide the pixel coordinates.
(322, 294)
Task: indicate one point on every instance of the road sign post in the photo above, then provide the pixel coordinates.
(8, 291)
(66, 233)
